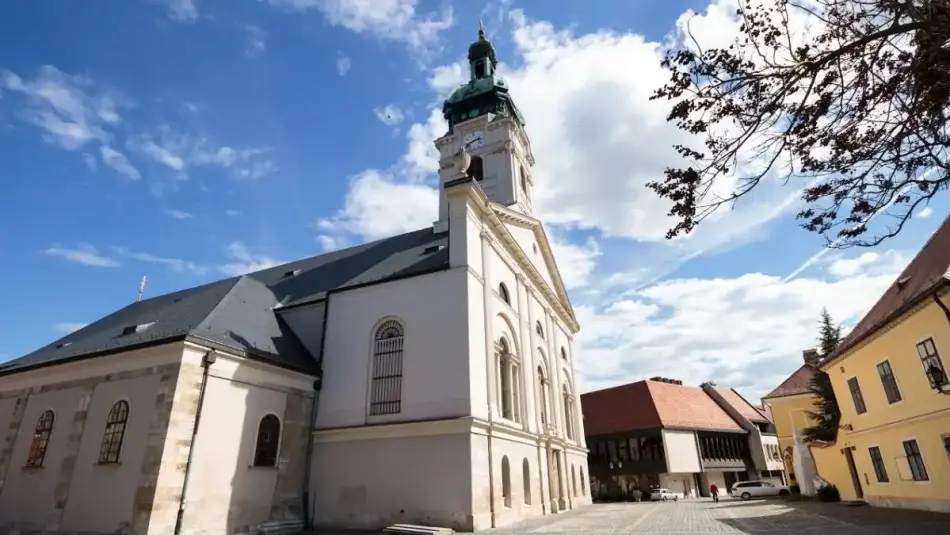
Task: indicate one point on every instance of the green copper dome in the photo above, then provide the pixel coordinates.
(485, 92)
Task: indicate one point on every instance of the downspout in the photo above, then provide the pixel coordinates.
(206, 361)
(486, 298)
(317, 385)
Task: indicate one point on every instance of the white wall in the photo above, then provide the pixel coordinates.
(771, 464)
(681, 453)
(435, 382)
(307, 323)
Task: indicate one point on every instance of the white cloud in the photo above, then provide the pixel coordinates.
(331, 243)
(243, 261)
(926, 212)
(391, 20)
(389, 115)
(69, 110)
(343, 65)
(175, 264)
(84, 254)
(67, 327)
(180, 151)
(178, 214)
(118, 162)
(256, 41)
(575, 262)
(181, 10)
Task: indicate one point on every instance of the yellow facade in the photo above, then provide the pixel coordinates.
(921, 415)
(790, 413)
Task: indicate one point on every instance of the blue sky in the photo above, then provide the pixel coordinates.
(188, 140)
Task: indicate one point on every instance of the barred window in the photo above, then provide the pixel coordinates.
(114, 434)
(40, 440)
(268, 441)
(386, 387)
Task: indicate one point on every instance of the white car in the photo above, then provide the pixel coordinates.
(747, 490)
(658, 495)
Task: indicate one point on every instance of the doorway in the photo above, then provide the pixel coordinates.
(849, 458)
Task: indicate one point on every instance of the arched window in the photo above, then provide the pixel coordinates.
(526, 481)
(563, 353)
(386, 385)
(476, 168)
(573, 480)
(539, 329)
(115, 431)
(543, 393)
(583, 483)
(268, 441)
(568, 413)
(40, 440)
(506, 481)
(503, 292)
(508, 380)
(524, 182)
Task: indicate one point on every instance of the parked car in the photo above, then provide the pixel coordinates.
(658, 495)
(747, 490)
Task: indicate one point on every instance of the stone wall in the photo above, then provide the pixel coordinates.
(287, 503)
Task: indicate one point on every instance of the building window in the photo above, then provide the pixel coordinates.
(538, 329)
(946, 443)
(877, 461)
(526, 481)
(543, 392)
(268, 441)
(509, 372)
(856, 396)
(929, 357)
(573, 480)
(916, 461)
(115, 431)
(476, 169)
(503, 293)
(568, 412)
(891, 391)
(506, 481)
(583, 483)
(386, 387)
(40, 440)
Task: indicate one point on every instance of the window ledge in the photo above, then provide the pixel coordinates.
(28, 468)
(107, 465)
(253, 467)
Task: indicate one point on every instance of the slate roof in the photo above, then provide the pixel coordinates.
(796, 383)
(652, 404)
(742, 406)
(243, 313)
(929, 269)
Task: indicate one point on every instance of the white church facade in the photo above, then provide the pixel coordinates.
(428, 378)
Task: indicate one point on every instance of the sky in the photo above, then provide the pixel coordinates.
(191, 140)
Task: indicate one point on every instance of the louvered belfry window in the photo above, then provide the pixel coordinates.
(386, 386)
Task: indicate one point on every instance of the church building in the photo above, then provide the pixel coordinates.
(427, 378)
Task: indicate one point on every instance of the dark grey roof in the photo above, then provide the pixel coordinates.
(243, 312)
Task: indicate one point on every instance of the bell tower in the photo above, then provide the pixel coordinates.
(485, 123)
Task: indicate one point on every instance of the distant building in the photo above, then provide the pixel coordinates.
(661, 433)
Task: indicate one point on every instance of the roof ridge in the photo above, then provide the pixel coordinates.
(945, 227)
(214, 310)
(787, 379)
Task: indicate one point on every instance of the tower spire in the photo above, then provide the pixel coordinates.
(481, 29)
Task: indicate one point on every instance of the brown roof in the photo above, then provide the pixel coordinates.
(797, 383)
(766, 410)
(919, 279)
(742, 405)
(651, 404)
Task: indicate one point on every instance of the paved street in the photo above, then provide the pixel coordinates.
(773, 517)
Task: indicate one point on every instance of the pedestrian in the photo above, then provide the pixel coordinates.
(714, 490)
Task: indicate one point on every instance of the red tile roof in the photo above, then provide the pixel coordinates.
(930, 268)
(741, 405)
(797, 383)
(651, 404)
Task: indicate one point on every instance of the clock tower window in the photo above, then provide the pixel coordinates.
(476, 169)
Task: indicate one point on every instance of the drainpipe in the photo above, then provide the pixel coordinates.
(941, 304)
(317, 385)
(206, 361)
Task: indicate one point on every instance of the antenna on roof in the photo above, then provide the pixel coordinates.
(141, 289)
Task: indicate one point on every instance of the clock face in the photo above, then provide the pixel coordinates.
(473, 140)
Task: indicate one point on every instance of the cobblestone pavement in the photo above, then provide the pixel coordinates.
(770, 517)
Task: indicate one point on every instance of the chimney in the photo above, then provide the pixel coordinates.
(811, 357)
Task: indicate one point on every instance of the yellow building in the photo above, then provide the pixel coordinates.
(890, 381)
(789, 405)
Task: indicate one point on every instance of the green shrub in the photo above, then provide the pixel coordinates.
(829, 493)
